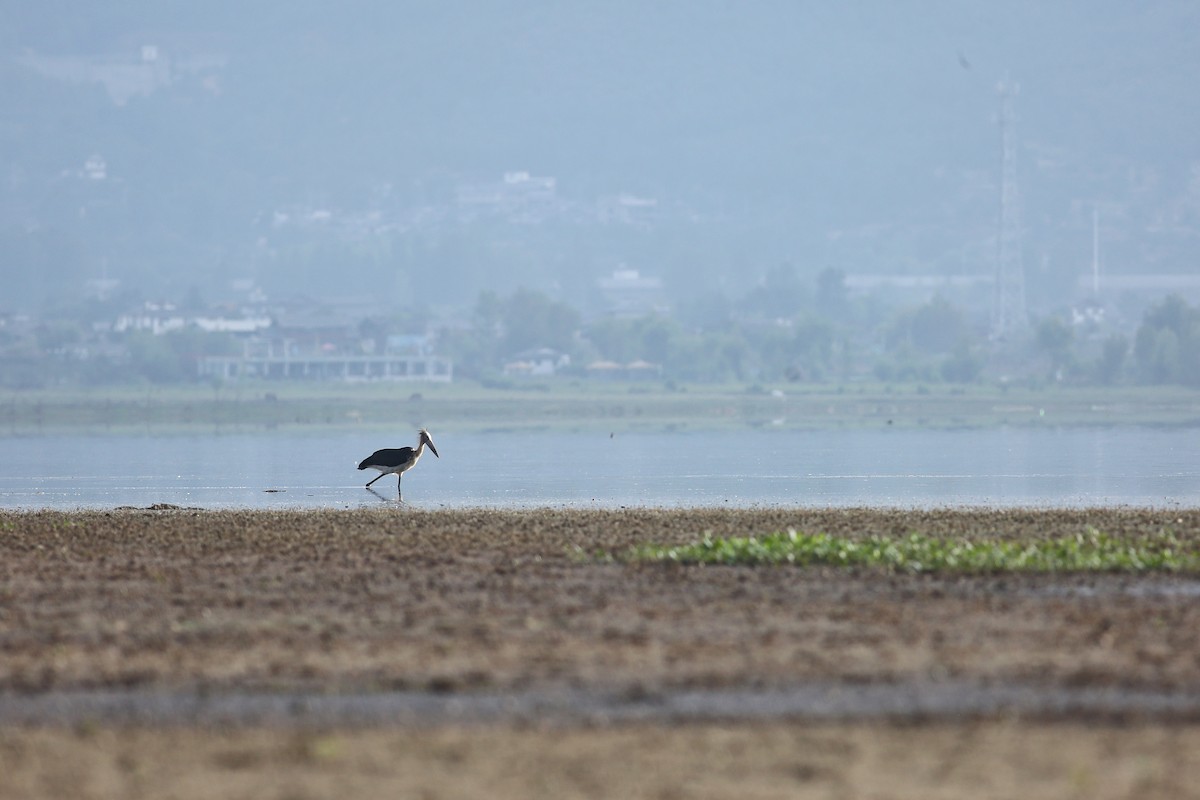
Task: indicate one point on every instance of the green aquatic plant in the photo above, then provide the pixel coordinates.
(1088, 550)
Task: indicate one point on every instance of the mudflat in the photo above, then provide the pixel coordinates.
(468, 603)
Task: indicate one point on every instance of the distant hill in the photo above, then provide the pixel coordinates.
(862, 138)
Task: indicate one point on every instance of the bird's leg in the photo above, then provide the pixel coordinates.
(377, 477)
(399, 480)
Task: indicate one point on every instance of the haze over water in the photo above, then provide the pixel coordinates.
(1003, 467)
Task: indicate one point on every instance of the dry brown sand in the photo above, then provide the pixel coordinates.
(469, 601)
(985, 759)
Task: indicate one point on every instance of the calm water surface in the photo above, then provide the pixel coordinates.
(995, 467)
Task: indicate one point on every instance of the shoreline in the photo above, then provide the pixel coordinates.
(572, 406)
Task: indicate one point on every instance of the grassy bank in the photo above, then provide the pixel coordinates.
(580, 404)
(1084, 551)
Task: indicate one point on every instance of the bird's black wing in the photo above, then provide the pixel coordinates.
(389, 457)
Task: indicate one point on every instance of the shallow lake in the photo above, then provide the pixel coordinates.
(904, 468)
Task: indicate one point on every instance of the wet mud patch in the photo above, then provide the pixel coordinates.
(484, 600)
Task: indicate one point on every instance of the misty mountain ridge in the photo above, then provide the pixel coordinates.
(404, 151)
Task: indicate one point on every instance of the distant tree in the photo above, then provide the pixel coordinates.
(503, 326)
(780, 295)
(474, 353)
(709, 311)
(374, 330)
(172, 357)
(963, 365)
(731, 355)
(613, 338)
(1159, 356)
(774, 351)
(811, 347)
(1054, 337)
(531, 319)
(651, 338)
(1167, 346)
(906, 364)
(711, 357)
(57, 334)
(831, 292)
(1111, 363)
(488, 315)
(410, 319)
(152, 358)
(935, 327)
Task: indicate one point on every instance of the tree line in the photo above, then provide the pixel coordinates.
(780, 330)
(776, 333)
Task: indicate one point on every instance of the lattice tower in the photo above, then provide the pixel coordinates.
(1008, 307)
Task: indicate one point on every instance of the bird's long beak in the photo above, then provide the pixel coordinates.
(429, 442)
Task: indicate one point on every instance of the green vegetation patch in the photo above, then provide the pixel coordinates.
(1091, 550)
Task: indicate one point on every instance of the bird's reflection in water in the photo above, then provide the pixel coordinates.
(397, 500)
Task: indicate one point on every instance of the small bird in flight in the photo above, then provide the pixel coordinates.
(397, 460)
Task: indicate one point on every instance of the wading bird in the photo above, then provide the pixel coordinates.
(397, 460)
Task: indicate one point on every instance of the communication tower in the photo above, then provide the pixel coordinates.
(1008, 306)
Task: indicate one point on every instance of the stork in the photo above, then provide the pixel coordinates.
(397, 460)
